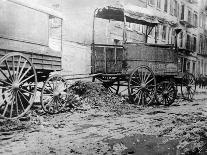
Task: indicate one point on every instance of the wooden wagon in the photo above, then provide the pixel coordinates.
(150, 72)
(30, 49)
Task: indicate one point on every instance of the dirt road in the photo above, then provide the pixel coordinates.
(137, 130)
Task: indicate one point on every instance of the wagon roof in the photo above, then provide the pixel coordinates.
(117, 14)
(38, 8)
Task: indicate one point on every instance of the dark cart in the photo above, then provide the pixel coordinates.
(148, 71)
(30, 49)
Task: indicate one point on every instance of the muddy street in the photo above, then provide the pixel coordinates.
(111, 129)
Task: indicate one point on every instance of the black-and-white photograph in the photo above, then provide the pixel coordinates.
(103, 77)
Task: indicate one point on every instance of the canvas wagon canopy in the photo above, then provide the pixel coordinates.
(117, 14)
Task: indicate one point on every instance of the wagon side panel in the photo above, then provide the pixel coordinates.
(107, 59)
(162, 60)
(22, 23)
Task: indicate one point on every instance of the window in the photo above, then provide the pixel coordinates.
(182, 12)
(181, 39)
(194, 44)
(175, 8)
(178, 11)
(171, 7)
(195, 19)
(152, 31)
(204, 21)
(188, 42)
(138, 28)
(194, 68)
(166, 5)
(200, 20)
(55, 33)
(164, 32)
(189, 16)
(198, 68)
(159, 4)
(158, 31)
(144, 29)
(188, 66)
(201, 44)
(151, 2)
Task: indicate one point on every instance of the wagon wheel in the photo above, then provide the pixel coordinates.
(110, 83)
(54, 94)
(16, 73)
(166, 93)
(112, 86)
(188, 86)
(142, 86)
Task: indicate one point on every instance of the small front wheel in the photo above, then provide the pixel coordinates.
(54, 94)
(188, 86)
(166, 93)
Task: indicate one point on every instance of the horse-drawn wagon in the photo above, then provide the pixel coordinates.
(150, 72)
(30, 49)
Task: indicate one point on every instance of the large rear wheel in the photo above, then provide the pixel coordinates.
(17, 75)
(142, 86)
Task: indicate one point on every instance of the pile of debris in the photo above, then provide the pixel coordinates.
(88, 95)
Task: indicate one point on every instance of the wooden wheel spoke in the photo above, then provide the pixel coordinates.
(21, 77)
(22, 89)
(22, 68)
(136, 92)
(147, 77)
(48, 94)
(135, 87)
(5, 82)
(8, 69)
(24, 97)
(25, 80)
(51, 101)
(13, 67)
(5, 76)
(16, 101)
(6, 87)
(149, 81)
(135, 82)
(144, 76)
(18, 65)
(138, 96)
(12, 105)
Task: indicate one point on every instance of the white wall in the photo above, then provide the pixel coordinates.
(76, 58)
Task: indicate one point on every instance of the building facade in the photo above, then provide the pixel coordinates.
(188, 15)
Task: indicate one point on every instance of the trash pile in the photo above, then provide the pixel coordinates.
(88, 95)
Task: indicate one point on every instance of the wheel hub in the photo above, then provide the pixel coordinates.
(56, 93)
(143, 85)
(15, 85)
(165, 93)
